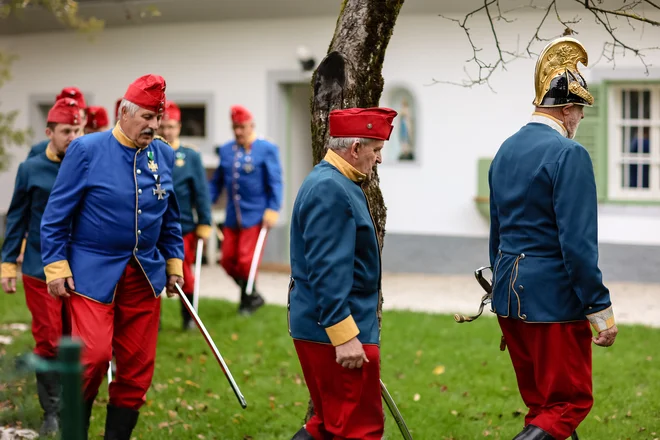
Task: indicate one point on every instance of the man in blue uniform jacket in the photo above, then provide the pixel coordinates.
(335, 281)
(547, 286)
(34, 181)
(251, 172)
(111, 242)
(192, 193)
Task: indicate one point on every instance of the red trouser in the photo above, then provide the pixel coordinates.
(189, 255)
(553, 367)
(129, 327)
(48, 317)
(347, 402)
(238, 250)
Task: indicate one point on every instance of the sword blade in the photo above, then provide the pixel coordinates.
(211, 344)
(255, 260)
(405, 432)
(198, 273)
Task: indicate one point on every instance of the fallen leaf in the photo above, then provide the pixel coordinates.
(454, 412)
(172, 414)
(234, 337)
(440, 369)
(416, 397)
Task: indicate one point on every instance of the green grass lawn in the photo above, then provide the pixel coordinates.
(450, 381)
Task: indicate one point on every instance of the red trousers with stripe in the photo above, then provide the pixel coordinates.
(189, 255)
(49, 320)
(238, 249)
(129, 327)
(553, 367)
(347, 402)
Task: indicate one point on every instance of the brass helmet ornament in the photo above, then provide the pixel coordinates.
(556, 78)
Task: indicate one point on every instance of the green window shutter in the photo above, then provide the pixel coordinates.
(592, 135)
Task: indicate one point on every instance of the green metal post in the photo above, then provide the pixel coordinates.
(71, 378)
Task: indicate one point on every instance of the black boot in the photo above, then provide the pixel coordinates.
(119, 423)
(87, 414)
(302, 435)
(532, 432)
(188, 323)
(574, 436)
(48, 389)
(249, 303)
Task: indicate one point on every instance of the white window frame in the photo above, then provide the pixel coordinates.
(615, 156)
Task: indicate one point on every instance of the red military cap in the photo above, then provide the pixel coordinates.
(65, 111)
(240, 114)
(74, 93)
(172, 111)
(97, 117)
(371, 123)
(148, 92)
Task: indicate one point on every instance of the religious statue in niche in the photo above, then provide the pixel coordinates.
(402, 141)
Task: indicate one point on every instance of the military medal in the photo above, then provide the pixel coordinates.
(180, 159)
(153, 166)
(158, 191)
(247, 166)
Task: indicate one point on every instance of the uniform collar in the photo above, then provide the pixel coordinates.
(344, 167)
(250, 141)
(50, 154)
(176, 144)
(544, 118)
(121, 137)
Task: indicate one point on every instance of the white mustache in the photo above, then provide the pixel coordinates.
(148, 131)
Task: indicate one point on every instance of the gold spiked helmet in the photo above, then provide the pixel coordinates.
(556, 78)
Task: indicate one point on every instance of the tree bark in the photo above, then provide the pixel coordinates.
(350, 76)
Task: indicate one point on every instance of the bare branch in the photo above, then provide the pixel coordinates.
(605, 18)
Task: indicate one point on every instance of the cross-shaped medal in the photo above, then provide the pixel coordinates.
(158, 191)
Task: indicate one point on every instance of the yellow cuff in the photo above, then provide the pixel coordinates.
(175, 267)
(602, 320)
(8, 270)
(23, 244)
(343, 331)
(271, 216)
(59, 269)
(203, 231)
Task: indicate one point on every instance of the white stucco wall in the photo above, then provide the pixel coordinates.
(230, 60)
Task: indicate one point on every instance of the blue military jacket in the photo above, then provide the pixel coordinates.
(544, 228)
(111, 202)
(34, 181)
(192, 191)
(335, 258)
(253, 178)
(37, 149)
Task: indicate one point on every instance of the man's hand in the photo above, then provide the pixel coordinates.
(9, 285)
(268, 222)
(351, 354)
(57, 288)
(606, 337)
(19, 260)
(171, 287)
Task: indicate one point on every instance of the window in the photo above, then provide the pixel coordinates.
(193, 120)
(634, 143)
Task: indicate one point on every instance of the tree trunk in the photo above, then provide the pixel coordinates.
(350, 76)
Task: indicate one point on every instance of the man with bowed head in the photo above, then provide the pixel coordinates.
(111, 242)
(192, 193)
(34, 181)
(336, 278)
(251, 171)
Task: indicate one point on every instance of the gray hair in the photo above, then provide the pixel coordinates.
(342, 143)
(130, 107)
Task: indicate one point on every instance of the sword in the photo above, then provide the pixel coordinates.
(255, 260)
(395, 412)
(488, 297)
(198, 273)
(109, 373)
(211, 344)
